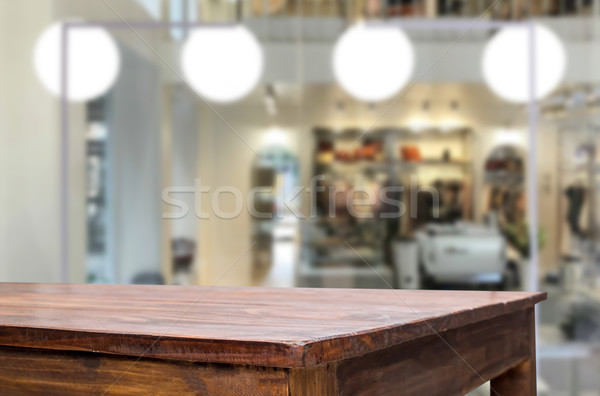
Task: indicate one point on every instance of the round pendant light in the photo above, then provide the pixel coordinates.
(373, 63)
(222, 64)
(506, 62)
(93, 61)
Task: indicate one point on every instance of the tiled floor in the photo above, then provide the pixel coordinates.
(565, 368)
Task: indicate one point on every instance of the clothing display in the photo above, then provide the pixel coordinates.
(410, 153)
(403, 7)
(508, 203)
(576, 198)
(363, 192)
(449, 209)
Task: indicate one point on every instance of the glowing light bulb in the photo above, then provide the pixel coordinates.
(373, 63)
(506, 62)
(222, 64)
(93, 61)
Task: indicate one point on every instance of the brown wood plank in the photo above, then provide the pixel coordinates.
(319, 380)
(428, 366)
(25, 371)
(254, 326)
(418, 367)
(520, 380)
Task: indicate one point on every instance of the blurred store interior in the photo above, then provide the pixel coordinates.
(151, 182)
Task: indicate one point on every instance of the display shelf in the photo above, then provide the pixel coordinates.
(353, 158)
(578, 169)
(504, 178)
(366, 133)
(434, 162)
(385, 165)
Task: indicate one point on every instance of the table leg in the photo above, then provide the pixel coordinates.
(520, 380)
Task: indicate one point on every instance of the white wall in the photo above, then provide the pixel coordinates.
(30, 143)
(30, 160)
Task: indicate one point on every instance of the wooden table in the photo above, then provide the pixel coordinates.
(96, 339)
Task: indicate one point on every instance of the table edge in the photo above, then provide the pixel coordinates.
(273, 354)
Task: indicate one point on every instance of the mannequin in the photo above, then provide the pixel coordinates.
(576, 198)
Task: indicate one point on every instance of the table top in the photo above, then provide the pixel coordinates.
(273, 327)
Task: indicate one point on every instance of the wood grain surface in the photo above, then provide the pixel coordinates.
(245, 326)
(499, 349)
(521, 379)
(452, 363)
(25, 371)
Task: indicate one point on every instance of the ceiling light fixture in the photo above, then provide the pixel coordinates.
(92, 66)
(373, 63)
(222, 64)
(270, 102)
(426, 105)
(506, 62)
(454, 105)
